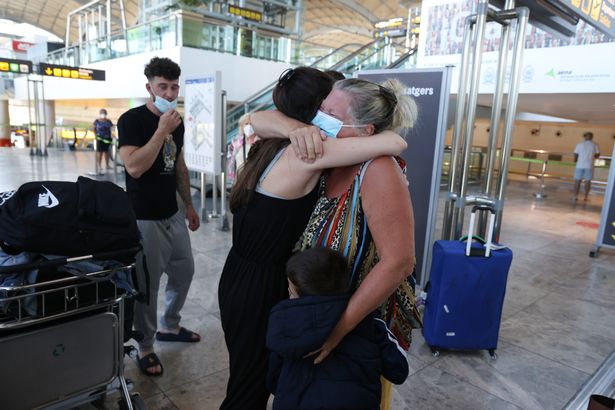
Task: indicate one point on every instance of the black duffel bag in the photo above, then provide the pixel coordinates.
(68, 218)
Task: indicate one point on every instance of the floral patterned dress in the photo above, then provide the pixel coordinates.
(339, 223)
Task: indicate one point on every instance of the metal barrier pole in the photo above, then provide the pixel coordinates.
(449, 210)
(30, 118)
(541, 194)
(496, 112)
(37, 118)
(511, 111)
(481, 21)
(214, 197)
(44, 124)
(224, 224)
(204, 216)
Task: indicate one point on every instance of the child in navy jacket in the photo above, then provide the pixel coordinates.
(349, 378)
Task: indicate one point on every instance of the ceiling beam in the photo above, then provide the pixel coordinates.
(322, 30)
(357, 8)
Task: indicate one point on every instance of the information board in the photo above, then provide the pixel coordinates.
(430, 88)
(76, 73)
(606, 232)
(9, 65)
(598, 13)
(203, 122)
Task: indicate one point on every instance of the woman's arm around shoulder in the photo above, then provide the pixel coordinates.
(339, 152)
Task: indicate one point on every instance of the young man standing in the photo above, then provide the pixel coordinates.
(151, 138)
(584, 154)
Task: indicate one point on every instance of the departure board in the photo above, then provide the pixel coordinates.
(599, 13)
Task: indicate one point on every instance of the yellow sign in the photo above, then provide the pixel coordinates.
(9, 65)
(77, 73)
(245, 13)
(598, 13)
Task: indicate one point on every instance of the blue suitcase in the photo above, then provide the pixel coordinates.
(465, 293)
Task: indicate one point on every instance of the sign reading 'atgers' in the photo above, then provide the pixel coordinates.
(77, 73)
(598, 13)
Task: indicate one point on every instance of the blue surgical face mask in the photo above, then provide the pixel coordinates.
(164, 105)
(330, 125)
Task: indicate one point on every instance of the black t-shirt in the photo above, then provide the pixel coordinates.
(153, 194)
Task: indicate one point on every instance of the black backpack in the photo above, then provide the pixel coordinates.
(67, 218)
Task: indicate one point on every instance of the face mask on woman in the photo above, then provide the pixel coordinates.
(330, 125)
(164, 105)
(102, 116)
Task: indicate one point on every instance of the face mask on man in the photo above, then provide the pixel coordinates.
(164, 105)
(330, 125)
(103, 116)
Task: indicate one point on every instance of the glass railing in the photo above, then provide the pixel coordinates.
(380, 53)
(263, 99)
(190, 29)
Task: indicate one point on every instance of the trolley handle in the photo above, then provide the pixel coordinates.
(61, 261)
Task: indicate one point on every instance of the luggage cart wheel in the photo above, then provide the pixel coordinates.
(493, 354)
(435, 352)
(135, 399)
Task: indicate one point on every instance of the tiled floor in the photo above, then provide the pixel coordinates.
(558, 324)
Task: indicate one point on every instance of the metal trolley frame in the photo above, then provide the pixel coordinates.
(70, 355)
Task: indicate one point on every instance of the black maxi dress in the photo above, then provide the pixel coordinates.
(252, 282)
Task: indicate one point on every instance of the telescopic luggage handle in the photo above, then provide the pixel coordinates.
(489, 242)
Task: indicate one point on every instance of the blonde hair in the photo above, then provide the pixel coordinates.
(386, 106)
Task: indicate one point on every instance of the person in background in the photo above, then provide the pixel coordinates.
(584, 154)
(102, 129)
(350, 377)
(151, 138)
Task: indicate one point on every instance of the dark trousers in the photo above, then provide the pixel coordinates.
(246, 295)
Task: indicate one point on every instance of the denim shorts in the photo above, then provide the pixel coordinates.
(583, 173)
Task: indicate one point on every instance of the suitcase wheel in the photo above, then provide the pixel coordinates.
(435, 352)
(493, 354)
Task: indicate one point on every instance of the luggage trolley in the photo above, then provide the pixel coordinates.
(62, 340)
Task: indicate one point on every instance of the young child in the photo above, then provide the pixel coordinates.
(349, 378)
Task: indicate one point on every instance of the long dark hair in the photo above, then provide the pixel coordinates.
(298, 94)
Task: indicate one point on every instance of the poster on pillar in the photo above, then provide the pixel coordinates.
(430, 89)
(606, 232)
(203, 122)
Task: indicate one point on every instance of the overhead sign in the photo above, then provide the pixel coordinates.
(8, 65)
(76, 73)
(430, 90)
(400, 32)
(245, 13)
(598, 13)
(203, 122)
(21, 46)
(390, 23)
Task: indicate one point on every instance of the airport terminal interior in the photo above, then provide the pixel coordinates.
(506, 90)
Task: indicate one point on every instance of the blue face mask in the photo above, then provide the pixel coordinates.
(330, 125)
(164, 105)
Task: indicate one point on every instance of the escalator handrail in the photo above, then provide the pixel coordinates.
(356, 53)
(272, 85)
(403, 58)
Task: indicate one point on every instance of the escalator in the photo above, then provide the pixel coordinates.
(346, 59)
